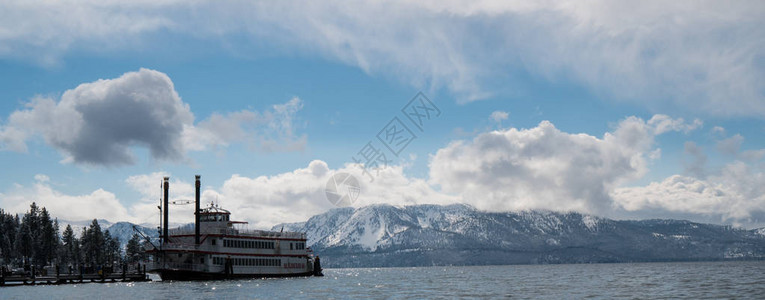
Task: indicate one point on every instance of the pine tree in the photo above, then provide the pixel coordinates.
(55, 241)
(46, 240)
(24, 242)
(93, 244)
(7, 236)
(111, 248)
(68, 248)
(133, 251)
(32, 219)
(83, 255)
(76, 252)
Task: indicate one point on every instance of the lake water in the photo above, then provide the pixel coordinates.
(712, 280)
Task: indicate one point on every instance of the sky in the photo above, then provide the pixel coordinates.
(619, 109)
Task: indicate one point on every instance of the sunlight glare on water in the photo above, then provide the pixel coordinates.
(683, 280)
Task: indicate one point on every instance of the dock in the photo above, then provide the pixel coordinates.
(124, 276)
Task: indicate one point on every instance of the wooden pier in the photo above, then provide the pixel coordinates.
(136, 276)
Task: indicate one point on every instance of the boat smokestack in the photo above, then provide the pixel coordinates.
(196, 211)
(166, 189)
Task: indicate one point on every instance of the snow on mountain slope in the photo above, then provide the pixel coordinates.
(460, 234)
(379, 226)
(123, 231)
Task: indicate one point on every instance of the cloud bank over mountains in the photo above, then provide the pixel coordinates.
(544, 168)
(503, 170)
(699, 56)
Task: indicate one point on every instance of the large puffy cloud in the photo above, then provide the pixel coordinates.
(545, 168)
(698, 55)
(295, 196)
(98, 123)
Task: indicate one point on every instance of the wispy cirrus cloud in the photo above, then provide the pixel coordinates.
(699, 56)
(271, 130)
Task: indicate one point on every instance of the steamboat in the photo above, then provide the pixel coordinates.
(219, 248)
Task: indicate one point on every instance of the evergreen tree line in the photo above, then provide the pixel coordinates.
(34, 239)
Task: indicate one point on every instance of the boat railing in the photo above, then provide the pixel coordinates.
(233, 231)
(186, 267)
(179, 246)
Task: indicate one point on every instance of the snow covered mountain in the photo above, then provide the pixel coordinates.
(122, 230)
(384, 235)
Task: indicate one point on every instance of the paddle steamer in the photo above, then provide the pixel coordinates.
(218, 248)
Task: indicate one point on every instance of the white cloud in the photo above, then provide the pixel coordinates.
(731, 145)
(12, 139)
(98, 204)
(736, 194)
(498, 116)
(664, 123)
(298, 195)
(271, 130)
(98, 123)
(697, 164)
(511, 169)
(717, 130)
(729, 193)
(545, 168)
(699, 56)
(42, 178)
(263, 201)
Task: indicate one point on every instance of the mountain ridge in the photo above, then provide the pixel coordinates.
(384, 235)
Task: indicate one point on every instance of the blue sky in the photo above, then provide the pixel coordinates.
(615, 110)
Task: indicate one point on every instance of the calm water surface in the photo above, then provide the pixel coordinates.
(710, 280)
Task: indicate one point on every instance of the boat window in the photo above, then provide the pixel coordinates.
(212, 242)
